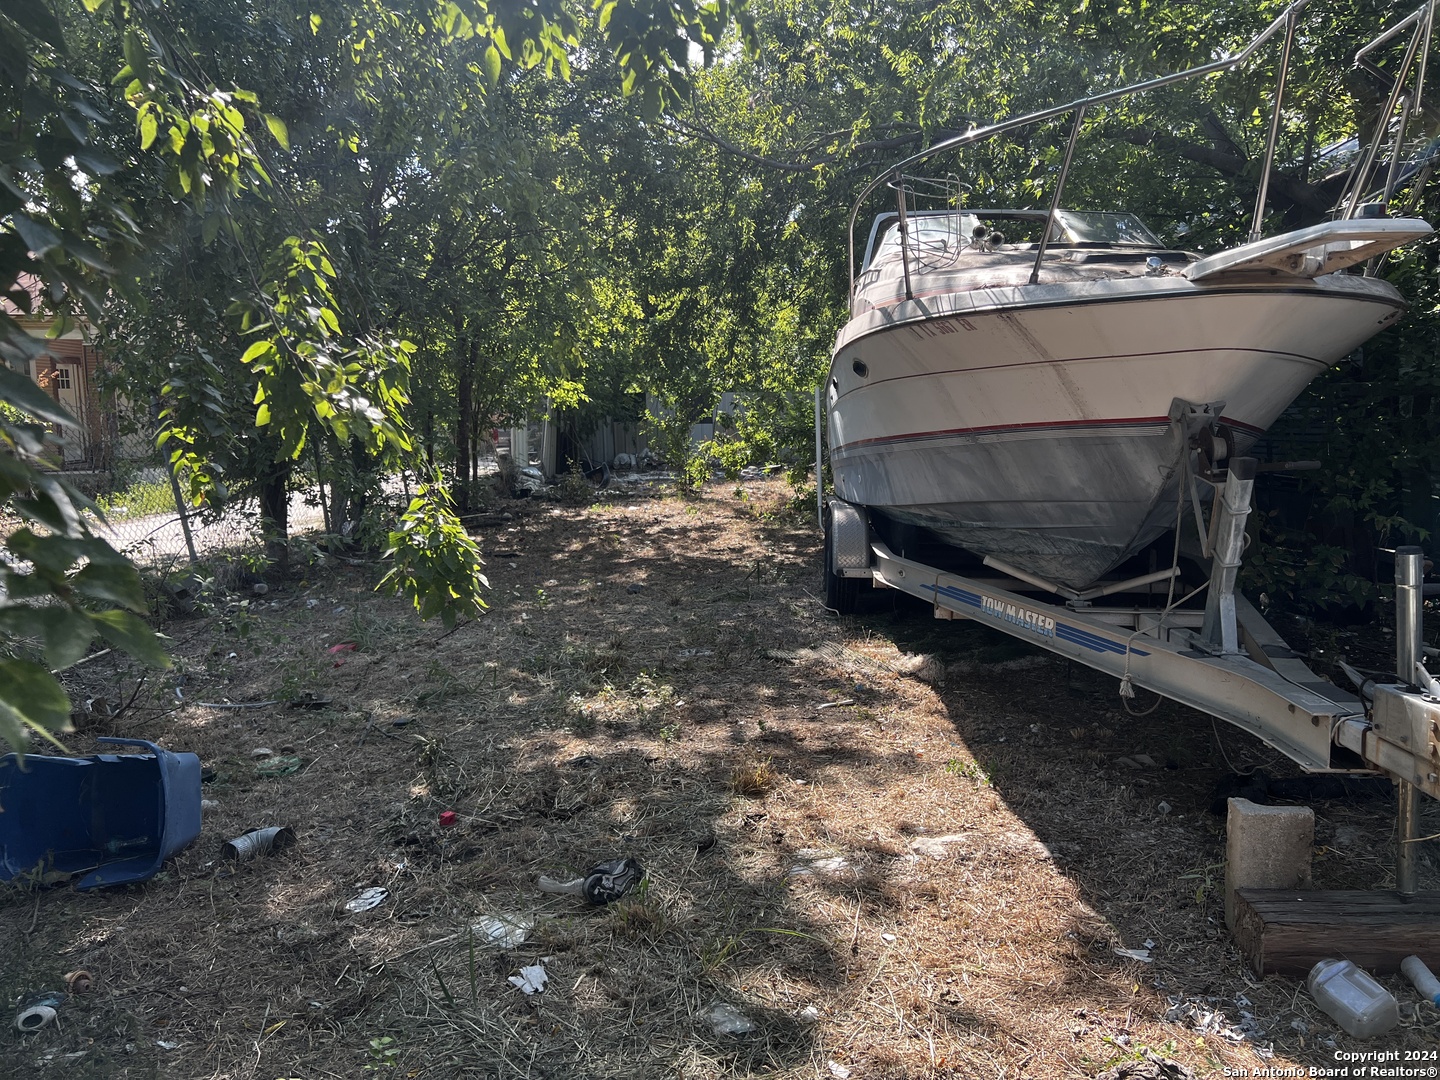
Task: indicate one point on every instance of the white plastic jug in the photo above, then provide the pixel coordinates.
(1352, 998)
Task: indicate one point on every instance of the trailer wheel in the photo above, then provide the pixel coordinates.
(842, 594)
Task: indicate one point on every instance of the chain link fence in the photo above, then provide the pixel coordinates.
(147, 519)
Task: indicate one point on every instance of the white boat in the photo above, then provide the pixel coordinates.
(1032, 385)
(1045, 424)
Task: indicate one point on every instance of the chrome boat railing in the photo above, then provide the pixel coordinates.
(1420, 22)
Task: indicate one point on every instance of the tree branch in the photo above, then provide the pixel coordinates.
(909, 137)
(1312, 201)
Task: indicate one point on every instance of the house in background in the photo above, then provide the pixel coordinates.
(68, 369)
(561, 438)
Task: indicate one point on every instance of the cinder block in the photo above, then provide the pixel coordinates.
(1266, 847)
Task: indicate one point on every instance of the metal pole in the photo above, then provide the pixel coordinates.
(1424, 53)
(1395, 149)
(904, 227)
(184, 517)
(1059, 190)
(1409, 649)
(1407, 829)
(1381, 123)
(1232, 510)
(819, 458)
(1274, 128)
(1409, 611)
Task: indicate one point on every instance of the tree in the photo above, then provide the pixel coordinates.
(81, 196)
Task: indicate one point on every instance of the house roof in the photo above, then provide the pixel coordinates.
(25, 283)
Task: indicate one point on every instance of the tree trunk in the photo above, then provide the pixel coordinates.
(361, 477)
(464, 432)
(339, 493)
(275, 516)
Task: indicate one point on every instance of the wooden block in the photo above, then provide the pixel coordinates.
(1286, 931)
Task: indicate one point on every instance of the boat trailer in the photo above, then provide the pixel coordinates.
(1224, 660)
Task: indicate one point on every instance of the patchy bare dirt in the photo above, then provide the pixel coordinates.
(929, 877)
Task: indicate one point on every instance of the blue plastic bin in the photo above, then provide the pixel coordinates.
(115, 818)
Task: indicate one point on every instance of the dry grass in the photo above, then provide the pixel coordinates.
(928, 881)
(753, 778)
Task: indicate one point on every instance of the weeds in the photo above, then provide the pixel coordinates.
(382, 1053)
(574, 489)
(753, 779)
(970, 770)
(141, 499)
(1206, 876)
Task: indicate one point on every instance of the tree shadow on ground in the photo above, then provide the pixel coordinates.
(879, 839)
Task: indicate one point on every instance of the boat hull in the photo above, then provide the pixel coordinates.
(1045, 425)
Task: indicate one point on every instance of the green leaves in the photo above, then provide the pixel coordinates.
(38, 236)
(278, 129)
(21, 393)
(30, 698)
(35, 16)
(435, 563)
(131, 635)
(307, 370)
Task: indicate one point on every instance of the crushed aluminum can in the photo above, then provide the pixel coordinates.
(369, 898)
(257, 842)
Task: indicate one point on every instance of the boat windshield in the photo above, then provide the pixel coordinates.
(1088, 227)
(938, 234)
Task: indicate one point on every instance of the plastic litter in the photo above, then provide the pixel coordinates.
(840, 1072)
(272, 768)
(1143, 955)
(834, 864)
(1147, 1065)
(531, 980)
(448, 818)
(1207, 1020)
(1350, 997)
(727, 1020)
(79, 982)
(528, 481)
(369, 898)
(603, 883)
(1424, 979)
(255, 842)
(937, 847)
(503, 931)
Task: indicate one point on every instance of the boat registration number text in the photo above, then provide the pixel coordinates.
(1033, 621)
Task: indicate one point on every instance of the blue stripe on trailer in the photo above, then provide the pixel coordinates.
(1095, 642)
(952, 593)
(973, 599)
(1072, 634)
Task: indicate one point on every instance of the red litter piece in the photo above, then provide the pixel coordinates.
(448, 818)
